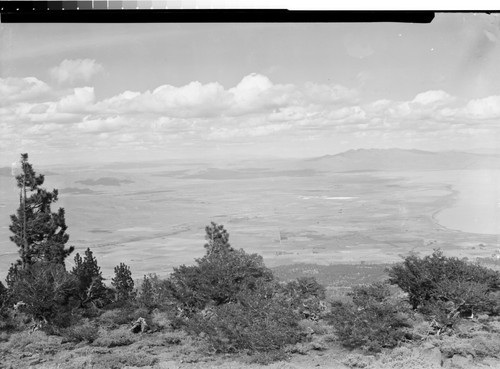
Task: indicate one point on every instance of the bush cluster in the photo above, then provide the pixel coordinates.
(154, 293)
(85, 331)
(446, 288)
(217, 278)
(45, 291)
(258, 321)
(231, 298)
(114, 338)
(306, 296)
(374, 319)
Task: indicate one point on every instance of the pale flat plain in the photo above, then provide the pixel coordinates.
(152, 217)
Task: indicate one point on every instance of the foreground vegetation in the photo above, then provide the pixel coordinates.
(436, 308)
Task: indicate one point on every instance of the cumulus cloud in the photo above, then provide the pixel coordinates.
(191, 100)
(74, 70)
(22, 89)
(254, 94)
(254, 110)
(100, 125)
(80, 100)
(328, 94)
(432, 97)
(485, 108)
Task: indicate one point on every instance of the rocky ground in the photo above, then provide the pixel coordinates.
(475, 344)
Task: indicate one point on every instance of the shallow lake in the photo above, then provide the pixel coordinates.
(477, 205)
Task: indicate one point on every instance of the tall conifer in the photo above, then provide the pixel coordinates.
(39, 233)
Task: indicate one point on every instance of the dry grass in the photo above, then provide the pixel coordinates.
(177, 349)
(160, 320)
(118, 337)
(37, 341)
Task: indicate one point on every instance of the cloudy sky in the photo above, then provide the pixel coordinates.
(105, 92)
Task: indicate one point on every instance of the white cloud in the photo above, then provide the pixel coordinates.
(485, 108)
(45, 128)
(432, 97)
(348, 114)
(73, 70)
(100, 125)
(22, 89)
(246, 132)
(329, 94)
(191, 100)
(254, 94)
(80, 101)
(254, 111)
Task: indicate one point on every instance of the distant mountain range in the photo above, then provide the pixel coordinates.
(360, 160)
(401, 160)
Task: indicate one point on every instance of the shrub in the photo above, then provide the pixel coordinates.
(114, 338)
(230, 298)
(36, 341)
(219, 276)
(435, 280)
(112, 318)
(161, 320)
(123, 360)
(85, 331)
(259, 322)
(123, 315)
(312, 327)
(154, 293)
(305, 287)
(306, 296)
(372, 321)
(46, 289)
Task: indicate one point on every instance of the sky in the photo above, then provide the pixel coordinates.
(137, 92)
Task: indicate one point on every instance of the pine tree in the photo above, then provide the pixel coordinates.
(123, 283)
(91, 288)
(146, 297)
(39, 233)
(217, 239)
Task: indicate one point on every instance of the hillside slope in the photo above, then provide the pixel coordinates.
(402, 160)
